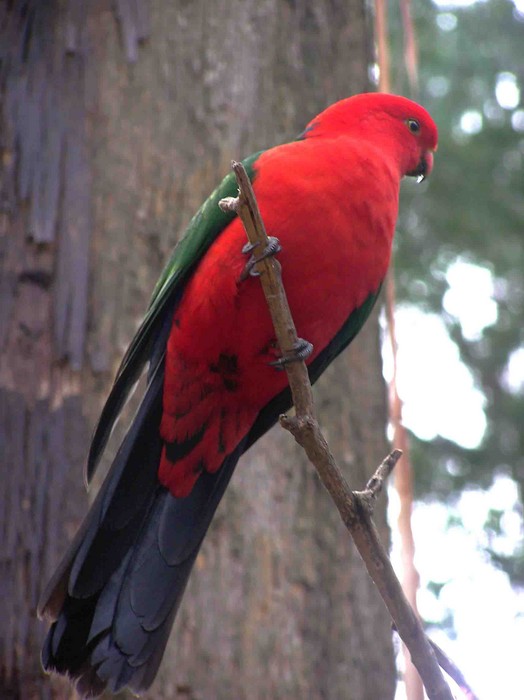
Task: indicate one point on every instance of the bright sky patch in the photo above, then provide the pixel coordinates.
(438, 391)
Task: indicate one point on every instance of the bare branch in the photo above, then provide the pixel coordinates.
(453, 671)
(379, 478)
(271, 281)
(354, 507)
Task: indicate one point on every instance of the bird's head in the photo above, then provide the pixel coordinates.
(398, 126)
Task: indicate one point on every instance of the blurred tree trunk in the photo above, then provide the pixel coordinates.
(117, 120)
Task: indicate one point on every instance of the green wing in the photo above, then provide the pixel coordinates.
(148, 345)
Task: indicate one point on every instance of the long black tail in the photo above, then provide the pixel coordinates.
(115, 595)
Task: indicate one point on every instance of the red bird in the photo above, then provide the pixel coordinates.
(331, 199)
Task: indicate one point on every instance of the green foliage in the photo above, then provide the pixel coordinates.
(473, 210)
(512, 564)
(201, 231)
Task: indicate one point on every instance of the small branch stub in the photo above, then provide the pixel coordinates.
(229, 204)
(375, 485)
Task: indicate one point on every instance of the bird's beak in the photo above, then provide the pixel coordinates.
(424, 168)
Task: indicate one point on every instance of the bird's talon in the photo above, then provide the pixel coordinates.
(249, 248)
(302, 349)
(249, 269)
(272, 248)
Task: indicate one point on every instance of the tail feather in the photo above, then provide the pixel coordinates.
(118, 588)
(124, 500)
(147, 347)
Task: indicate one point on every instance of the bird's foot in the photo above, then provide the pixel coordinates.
(272, 248)
(302, 349)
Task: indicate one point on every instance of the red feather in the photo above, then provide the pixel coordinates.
(332, 200)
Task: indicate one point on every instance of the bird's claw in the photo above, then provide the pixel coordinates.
(302, 349)
(272, 248)
(249, 248)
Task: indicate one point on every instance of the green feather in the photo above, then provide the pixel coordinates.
(202, 230)
(148, 344)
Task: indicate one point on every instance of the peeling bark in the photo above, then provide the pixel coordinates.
(117, 119)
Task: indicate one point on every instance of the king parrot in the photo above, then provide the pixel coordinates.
(331, 198)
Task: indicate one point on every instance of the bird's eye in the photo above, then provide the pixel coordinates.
(413, 126)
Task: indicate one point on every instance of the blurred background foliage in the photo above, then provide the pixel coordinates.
(460, 252)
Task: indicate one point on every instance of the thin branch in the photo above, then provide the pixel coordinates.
(381, 38)
(453, 671)
(403, 483)
(246, 207)
(403, 475)
(376, 483)
(410, 45)
(451, 668)
(354, 508)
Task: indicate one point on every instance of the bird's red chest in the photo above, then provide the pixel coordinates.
(334, 213)
(334, 216)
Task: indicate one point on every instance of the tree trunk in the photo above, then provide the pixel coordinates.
(117, 121)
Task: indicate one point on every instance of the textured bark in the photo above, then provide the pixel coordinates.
(117, 120)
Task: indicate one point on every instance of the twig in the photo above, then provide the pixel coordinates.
(375, 485)
(354, 507)
(269, 268)
(451, 668)
(453, 671)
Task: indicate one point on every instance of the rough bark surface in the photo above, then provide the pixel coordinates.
(117, 119)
